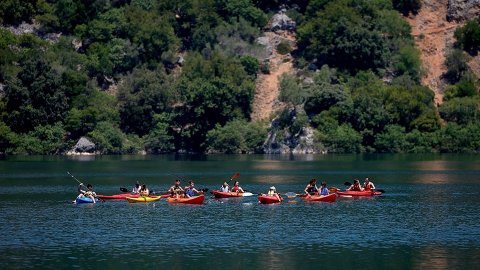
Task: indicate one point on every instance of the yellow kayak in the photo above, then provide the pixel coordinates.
(143, 199)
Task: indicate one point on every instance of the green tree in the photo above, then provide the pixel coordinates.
(392, 140)
(143, 94)
(344, 139)
(160, 139)
(36, 96)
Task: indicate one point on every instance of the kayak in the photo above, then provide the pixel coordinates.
(221, 195)
(268, 199)
(321, 198)
(140, 199)
(117, 196)
(192, 200)
(358, 193)
(82, 200)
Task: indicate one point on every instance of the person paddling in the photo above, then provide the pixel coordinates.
(311, 188)
(225, 187)
(272, 191)
(88, 193)
(368, 185)
(136, 188)
(356, 186)
(237, 188)
(190, 190)
(323, 189)
(176, 189)
(144, 192)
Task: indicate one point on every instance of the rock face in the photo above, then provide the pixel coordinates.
(83, 147)
(281, 21)
(461, 10)
(281, 141)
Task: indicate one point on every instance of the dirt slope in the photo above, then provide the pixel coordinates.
(267, 87)
(433, 36)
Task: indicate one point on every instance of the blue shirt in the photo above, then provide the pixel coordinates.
(190, 192)
(324, 191)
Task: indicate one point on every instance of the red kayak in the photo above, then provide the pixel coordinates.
(358, 193)
(192, 200)
(321, 198)
(269, 199)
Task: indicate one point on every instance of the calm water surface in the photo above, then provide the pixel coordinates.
(427, 219)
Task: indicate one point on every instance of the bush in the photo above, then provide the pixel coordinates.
(468, 37)
(43, 140)
(284, 48)
(461, 110)
(407, 6)
(456, 63)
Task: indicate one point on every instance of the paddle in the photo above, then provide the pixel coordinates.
(236, 175)
(80, 183)
(292, 195)
(75, 178)
(379, 190)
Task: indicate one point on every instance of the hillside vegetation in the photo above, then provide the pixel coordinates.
(180, 76)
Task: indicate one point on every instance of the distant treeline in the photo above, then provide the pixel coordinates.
(165, 76)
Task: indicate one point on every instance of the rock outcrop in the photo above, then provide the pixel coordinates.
(282, 141)
(83, 147)
(462, 10)
(281, 21)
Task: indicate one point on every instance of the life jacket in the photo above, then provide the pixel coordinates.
(368, 186)
(324, 191)
(177, 190)
(356, 188)
(312, 189)
(235, 189)
(144, 193)
(271, 192)
(88, 193)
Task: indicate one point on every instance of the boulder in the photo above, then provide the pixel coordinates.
(83, 146)
(281, 21)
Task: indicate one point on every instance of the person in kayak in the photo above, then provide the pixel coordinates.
(88, 193)
(311, 188)
(323, 189)
(237, 188)
(144, 192)
(225, 187)
(136, 188)
(272, 191)
(356, 186)
(176, 189)
(368, 185)
(190, 190)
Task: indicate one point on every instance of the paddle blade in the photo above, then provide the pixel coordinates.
(247, 194)
(235, 176)
(347, 183)
(204, 189)
(122, 189)
(291, 195)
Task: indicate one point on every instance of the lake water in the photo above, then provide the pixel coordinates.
(427, 219)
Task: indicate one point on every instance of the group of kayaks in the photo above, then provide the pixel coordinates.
(262, 198)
